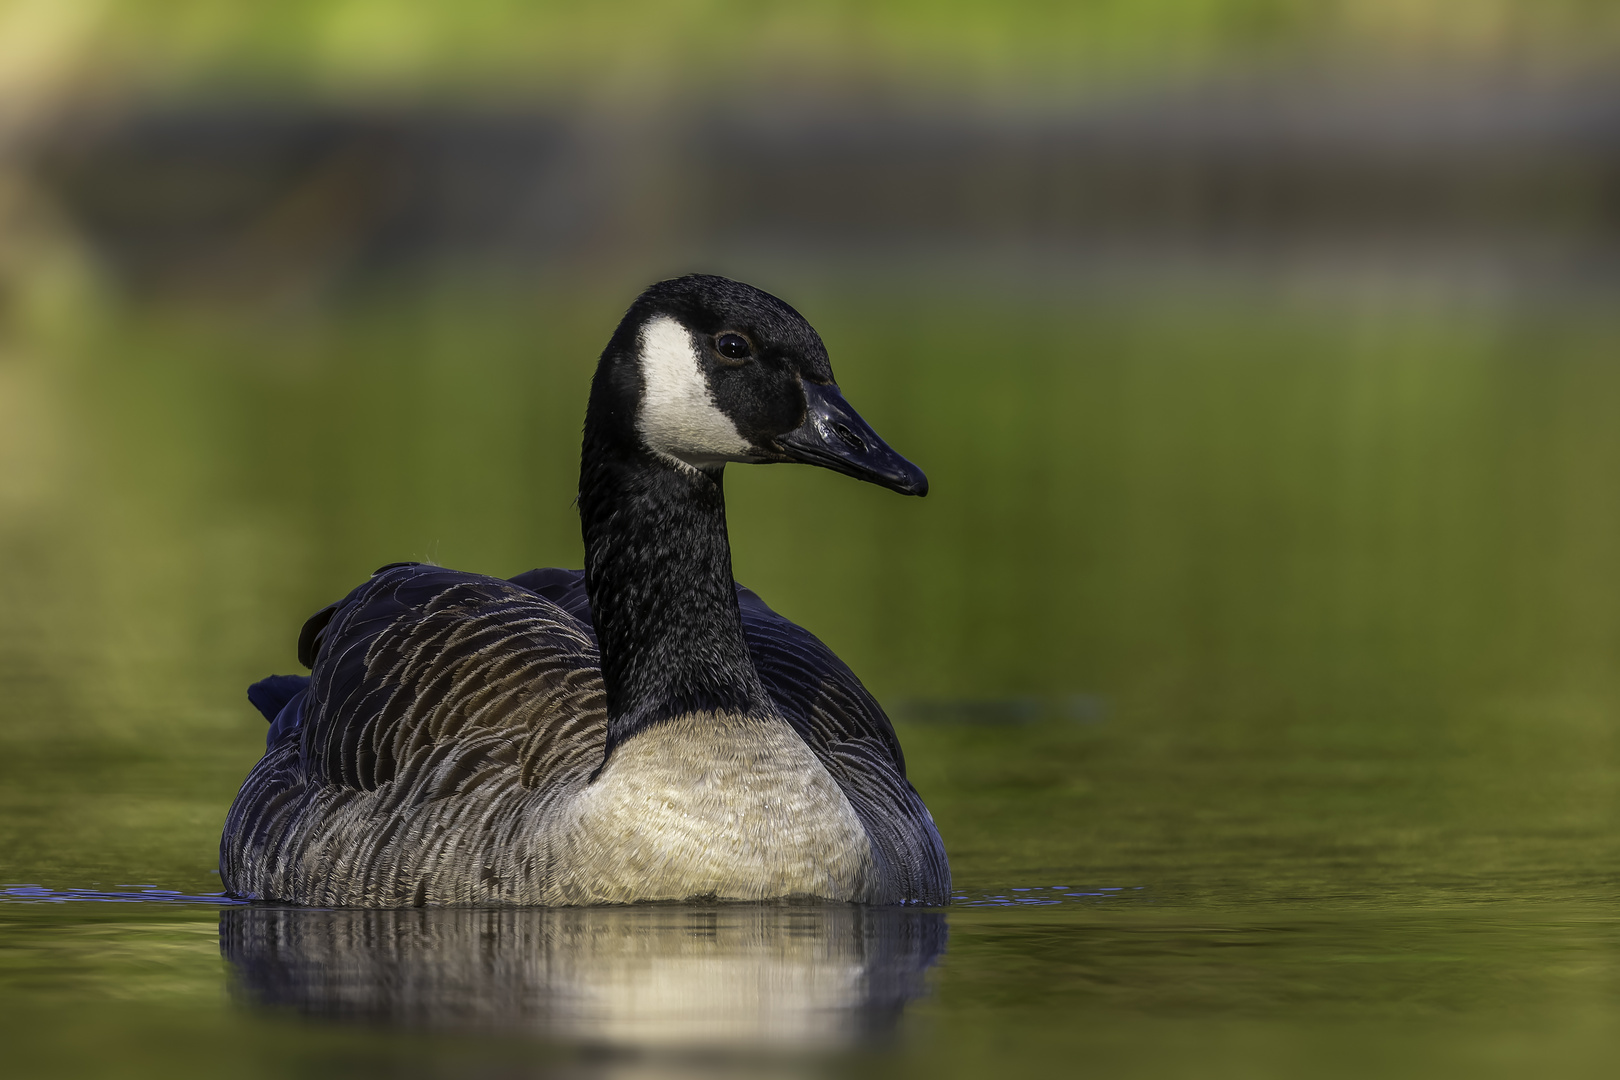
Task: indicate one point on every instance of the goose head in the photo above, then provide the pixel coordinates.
(704, 370)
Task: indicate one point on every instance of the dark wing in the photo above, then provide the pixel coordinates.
(427, 684)
(426, 671)
(834, 714)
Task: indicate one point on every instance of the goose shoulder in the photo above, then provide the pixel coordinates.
(813, 690)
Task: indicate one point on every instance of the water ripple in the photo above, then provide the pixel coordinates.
(1049, 896)
(1031, 896)
(138, 894)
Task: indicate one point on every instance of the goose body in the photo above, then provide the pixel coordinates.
(644, 729)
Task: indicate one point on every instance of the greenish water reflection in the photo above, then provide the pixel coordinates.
(1292, 629)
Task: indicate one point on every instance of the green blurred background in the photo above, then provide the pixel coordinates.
(1262, 355)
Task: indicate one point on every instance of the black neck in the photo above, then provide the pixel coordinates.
(658, 572)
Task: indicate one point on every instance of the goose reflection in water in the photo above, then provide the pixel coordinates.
(800, 976)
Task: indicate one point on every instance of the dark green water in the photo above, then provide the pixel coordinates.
(1282, 638)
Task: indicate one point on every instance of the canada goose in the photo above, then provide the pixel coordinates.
(644, 729)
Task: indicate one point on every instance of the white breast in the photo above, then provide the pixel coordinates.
(732, 807)
(679, 417)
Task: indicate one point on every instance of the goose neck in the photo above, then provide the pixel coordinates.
(658, 573)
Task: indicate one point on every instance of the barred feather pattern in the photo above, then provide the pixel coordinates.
(452, 718)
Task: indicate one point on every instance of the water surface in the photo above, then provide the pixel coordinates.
(1256, 660)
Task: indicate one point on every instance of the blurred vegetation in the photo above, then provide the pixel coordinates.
(634, 46)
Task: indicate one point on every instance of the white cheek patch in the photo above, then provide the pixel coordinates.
(678, 415)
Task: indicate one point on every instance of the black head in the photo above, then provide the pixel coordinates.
(704, 370)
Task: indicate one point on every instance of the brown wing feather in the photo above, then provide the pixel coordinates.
(429, 684)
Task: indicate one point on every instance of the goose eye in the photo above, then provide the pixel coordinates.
(733, 346)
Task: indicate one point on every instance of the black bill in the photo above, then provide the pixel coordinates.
(835, 437)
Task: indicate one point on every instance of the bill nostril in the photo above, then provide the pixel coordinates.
(851, 440)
